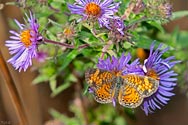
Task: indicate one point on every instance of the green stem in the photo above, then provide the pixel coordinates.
(143, 19)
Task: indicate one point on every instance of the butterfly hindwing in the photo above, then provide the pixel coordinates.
(129, 96)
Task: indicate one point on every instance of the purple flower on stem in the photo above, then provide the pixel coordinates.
(160, 69)
(23, 44)
(95, 9)
(120, 65)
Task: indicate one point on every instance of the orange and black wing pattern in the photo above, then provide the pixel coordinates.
(135, 88)
(102, 83)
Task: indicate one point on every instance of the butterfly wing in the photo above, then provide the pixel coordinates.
(135, 88)
(129, 96)
(102, 84)
(145, 85)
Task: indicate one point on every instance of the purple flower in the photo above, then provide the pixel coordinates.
(120, 65)
(160, 69)
(23, 44)
(116, 25)
(166, 10)
(95, 9)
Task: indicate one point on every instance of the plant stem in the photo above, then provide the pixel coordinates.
(65, 44)
(143, 19)
(105, 48)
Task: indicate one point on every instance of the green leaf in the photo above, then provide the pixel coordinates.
(120, 121)
(64, 119)
(183, 39)
(61, 88)
(55, 23)
(40, 79)
(66, 59)
(53, 83)
(179, 14)
(86, 86)
(72, 78)
(157, 25)
(144, 42)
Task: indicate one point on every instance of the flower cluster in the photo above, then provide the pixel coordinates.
(155, 67)
(161, 9)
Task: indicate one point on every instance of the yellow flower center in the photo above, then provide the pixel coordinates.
(92, 9)
(68, 32)
(25, 38)
(151, 73)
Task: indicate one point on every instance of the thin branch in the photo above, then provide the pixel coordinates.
(143, 19)
(65, 44)
(83, 46)
(105, 48)
(94, 32)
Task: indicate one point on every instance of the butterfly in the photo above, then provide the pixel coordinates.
(129, 90)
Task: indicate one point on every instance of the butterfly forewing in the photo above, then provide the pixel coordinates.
(145, 85)
(102, 83)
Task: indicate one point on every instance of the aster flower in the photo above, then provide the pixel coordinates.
(120, 65)
(23, 44)
(95, 9)
(160, 69)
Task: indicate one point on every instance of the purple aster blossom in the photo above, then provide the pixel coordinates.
(160, 69)
(23, 44)
(116, 25)
(95, 9)
(120, 65)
